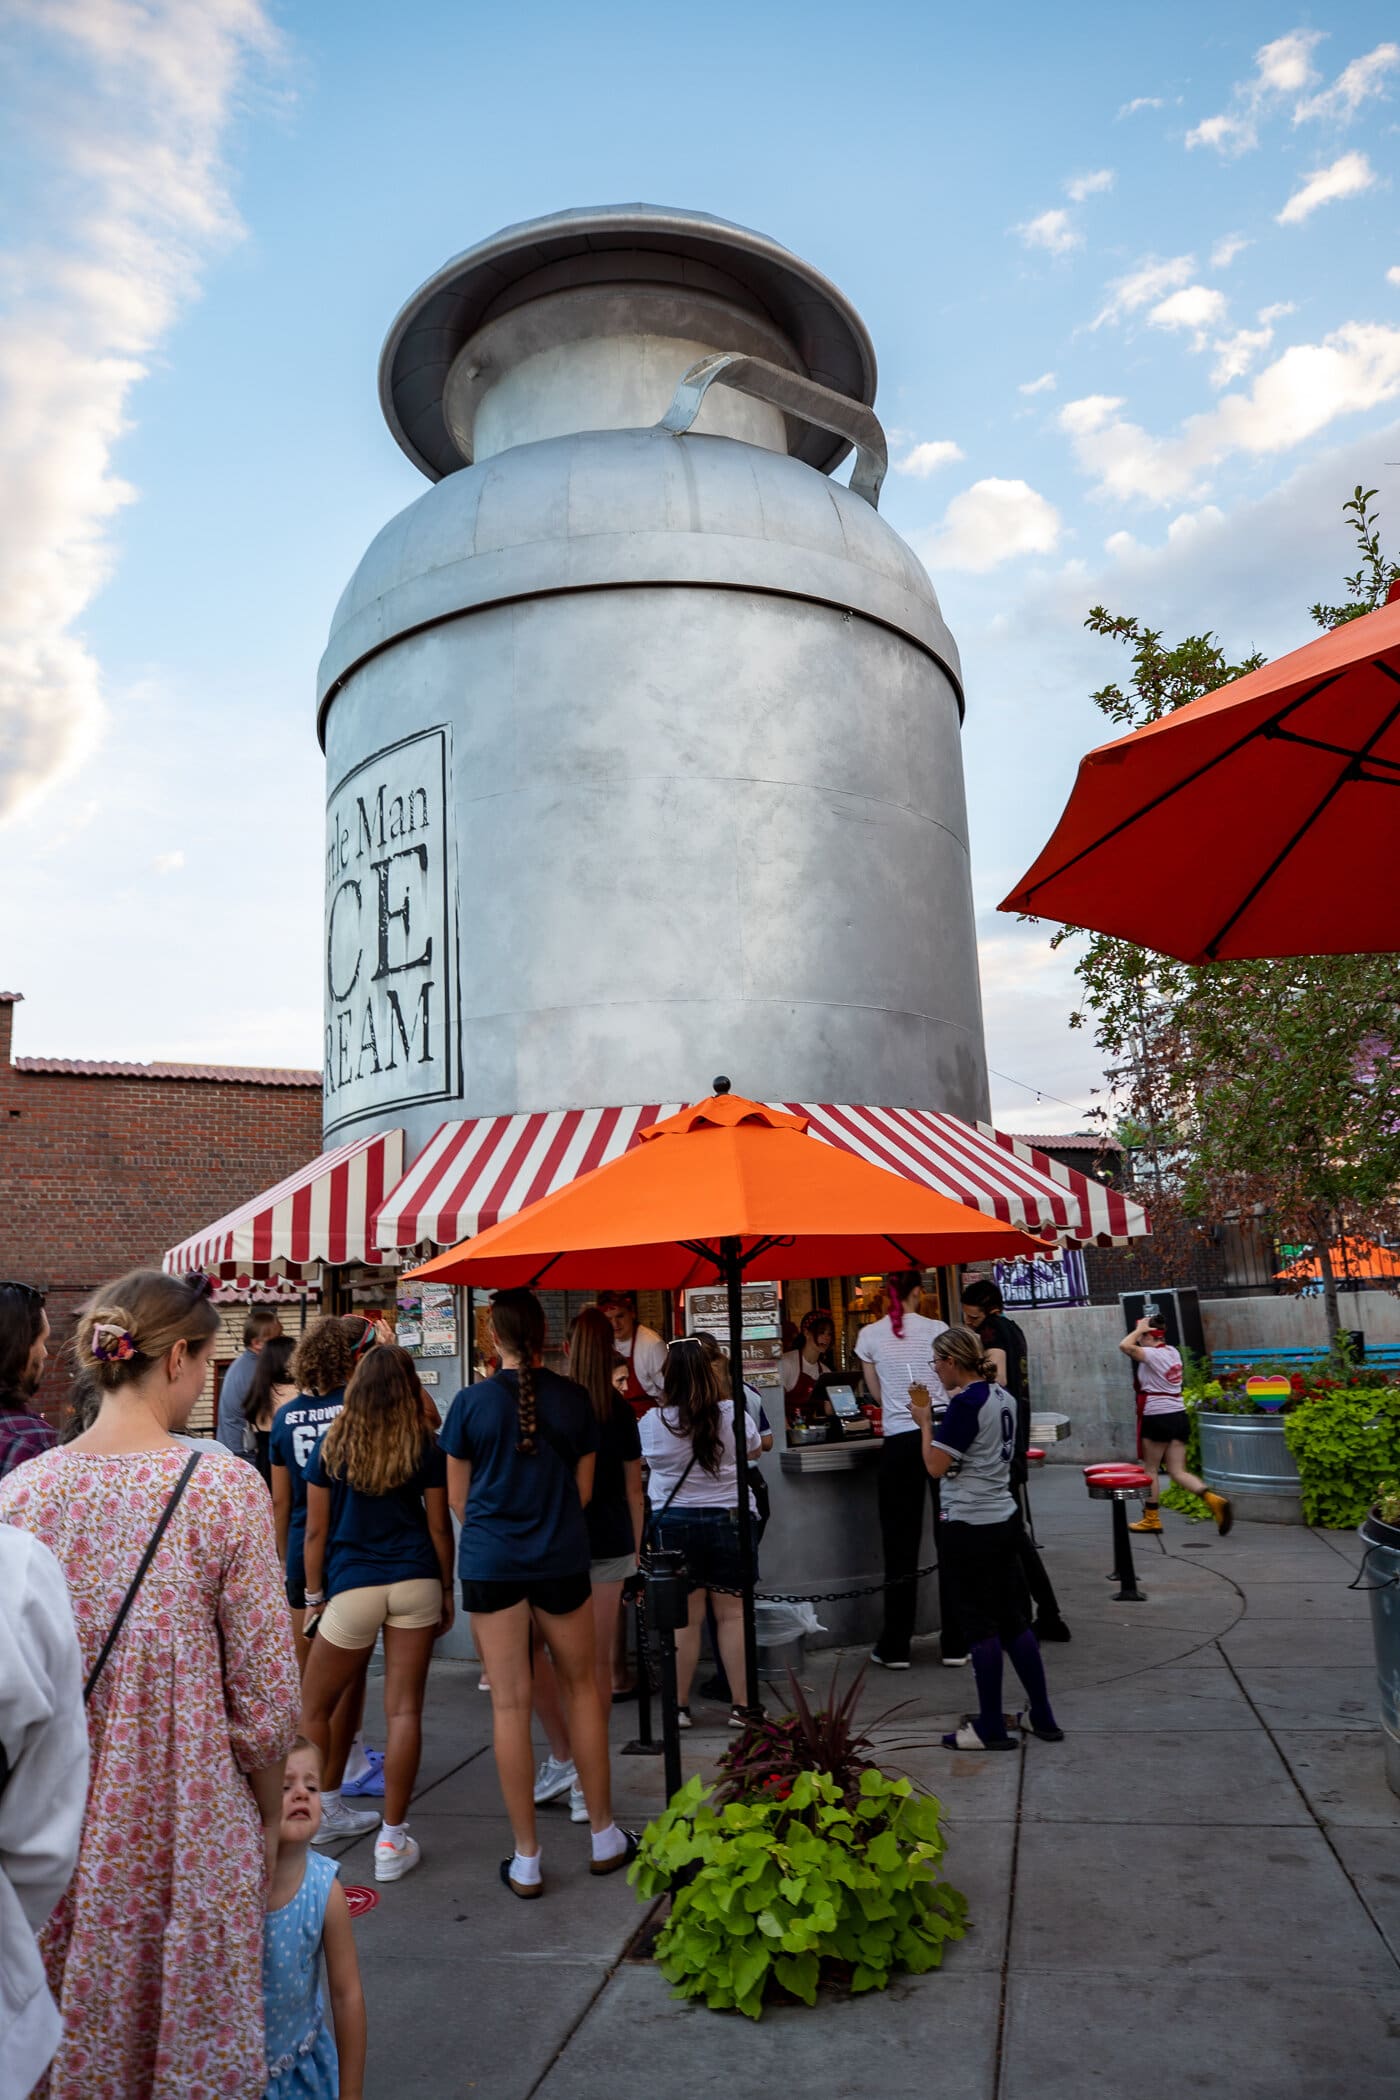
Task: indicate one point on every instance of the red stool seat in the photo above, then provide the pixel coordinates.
(1118, 1475)
(1034, 1455)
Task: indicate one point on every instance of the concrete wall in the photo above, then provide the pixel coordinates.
(1076, 1368)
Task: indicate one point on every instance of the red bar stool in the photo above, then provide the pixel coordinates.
(1034, 1455)
(1115, 1483)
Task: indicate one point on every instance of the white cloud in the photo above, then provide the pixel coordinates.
(989, 523)
(1052, 230)
(1269, 314)
(925, 459)
(1081, 186)
(128, 166)
(1044, 385)
(1392, 276)
(1149, 282)
(1226, 249)
(1355, 84)
(168, 863)
(1196, 307)
(1308, 387)
(1281, 68)
(1235, 354)
(1347, 177)
(1130, 109)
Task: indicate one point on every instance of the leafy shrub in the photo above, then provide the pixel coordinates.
(798, 1888)
(1388, 1502)
(1345, 1442)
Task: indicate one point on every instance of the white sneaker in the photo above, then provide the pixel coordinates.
(392, 1862)
(578, 1807)
(554, 1777)
(340, 1821)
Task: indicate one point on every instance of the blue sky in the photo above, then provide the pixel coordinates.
(1133, 277)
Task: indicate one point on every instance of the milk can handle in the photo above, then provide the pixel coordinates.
(796, 397)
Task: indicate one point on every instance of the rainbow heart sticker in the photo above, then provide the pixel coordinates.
(1269, 1391)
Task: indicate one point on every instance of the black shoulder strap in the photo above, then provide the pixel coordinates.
(146, 1558)
(654, 1514)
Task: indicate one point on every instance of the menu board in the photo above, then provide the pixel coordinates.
(427, 1322)
(708, 1309)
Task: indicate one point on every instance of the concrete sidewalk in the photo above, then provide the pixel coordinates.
(1201, 1883)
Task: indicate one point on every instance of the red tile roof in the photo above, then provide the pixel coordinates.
(1066, 1141)
(228, 1075)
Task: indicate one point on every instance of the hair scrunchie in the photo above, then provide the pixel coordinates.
(111, 1344)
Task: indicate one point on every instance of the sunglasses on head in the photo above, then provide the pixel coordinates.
(198, 1285)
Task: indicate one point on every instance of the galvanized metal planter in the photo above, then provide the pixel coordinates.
(1381, 1574)
(1247, 1458)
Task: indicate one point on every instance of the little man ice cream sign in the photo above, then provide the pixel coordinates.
(390, 938)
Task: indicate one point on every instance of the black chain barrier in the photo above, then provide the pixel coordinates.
(866, 1589)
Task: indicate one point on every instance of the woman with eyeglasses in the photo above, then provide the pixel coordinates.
(194, 1706)
(688, 1443)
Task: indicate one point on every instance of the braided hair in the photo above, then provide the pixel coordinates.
(518, 1318)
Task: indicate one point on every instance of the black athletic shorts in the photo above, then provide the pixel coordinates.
(1174, 1428)
(556, 1596)
(981, 1566)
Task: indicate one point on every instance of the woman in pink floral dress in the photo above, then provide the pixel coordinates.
(155, 1953)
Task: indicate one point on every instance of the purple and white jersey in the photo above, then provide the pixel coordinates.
(978, 1431)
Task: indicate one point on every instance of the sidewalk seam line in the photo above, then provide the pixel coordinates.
(1322, 1828)
(1010, 1917)
(586, 2009)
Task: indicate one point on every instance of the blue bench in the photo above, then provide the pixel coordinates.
(1382, 1356)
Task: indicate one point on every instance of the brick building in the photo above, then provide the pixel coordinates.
(103, 1166)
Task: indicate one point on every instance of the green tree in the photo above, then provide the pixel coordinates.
(1257, 1089)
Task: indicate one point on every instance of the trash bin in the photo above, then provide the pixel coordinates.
(1356, 1336)
(782, 1630)
(1380, 1576)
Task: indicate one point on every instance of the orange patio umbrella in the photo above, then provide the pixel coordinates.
(1364, 1260)
(726, 1188)
(1256, 821)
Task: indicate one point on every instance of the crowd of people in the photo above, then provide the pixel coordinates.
(194, 1631)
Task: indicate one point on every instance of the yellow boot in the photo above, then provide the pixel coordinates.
(1221, 1509)
(1150, 1520)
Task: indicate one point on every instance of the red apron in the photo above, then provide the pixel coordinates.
(634, 1392)
(800, 1392)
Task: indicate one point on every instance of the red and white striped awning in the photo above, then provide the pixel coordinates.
(1104, 1213)
(473, 1173)
(470, 1175)
(322, 1213)
(975, 1164)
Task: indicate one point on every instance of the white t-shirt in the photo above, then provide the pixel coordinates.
(901, 1361)
(44, 1730)
(1159, 1380)
(668, 1455)
(647, 1353)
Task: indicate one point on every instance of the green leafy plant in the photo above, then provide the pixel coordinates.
(1388, 1502)
(797, 1891)
(767, 1755)
(1346, 1444)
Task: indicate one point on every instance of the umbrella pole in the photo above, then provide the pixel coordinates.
(734, 1281)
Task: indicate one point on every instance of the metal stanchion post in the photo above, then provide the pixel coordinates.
(667, 1608)
(643, 1743)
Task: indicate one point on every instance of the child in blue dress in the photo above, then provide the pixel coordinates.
(307, 1915)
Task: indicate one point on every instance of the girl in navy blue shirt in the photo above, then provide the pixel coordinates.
(520, 1463)
(378, 1556)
